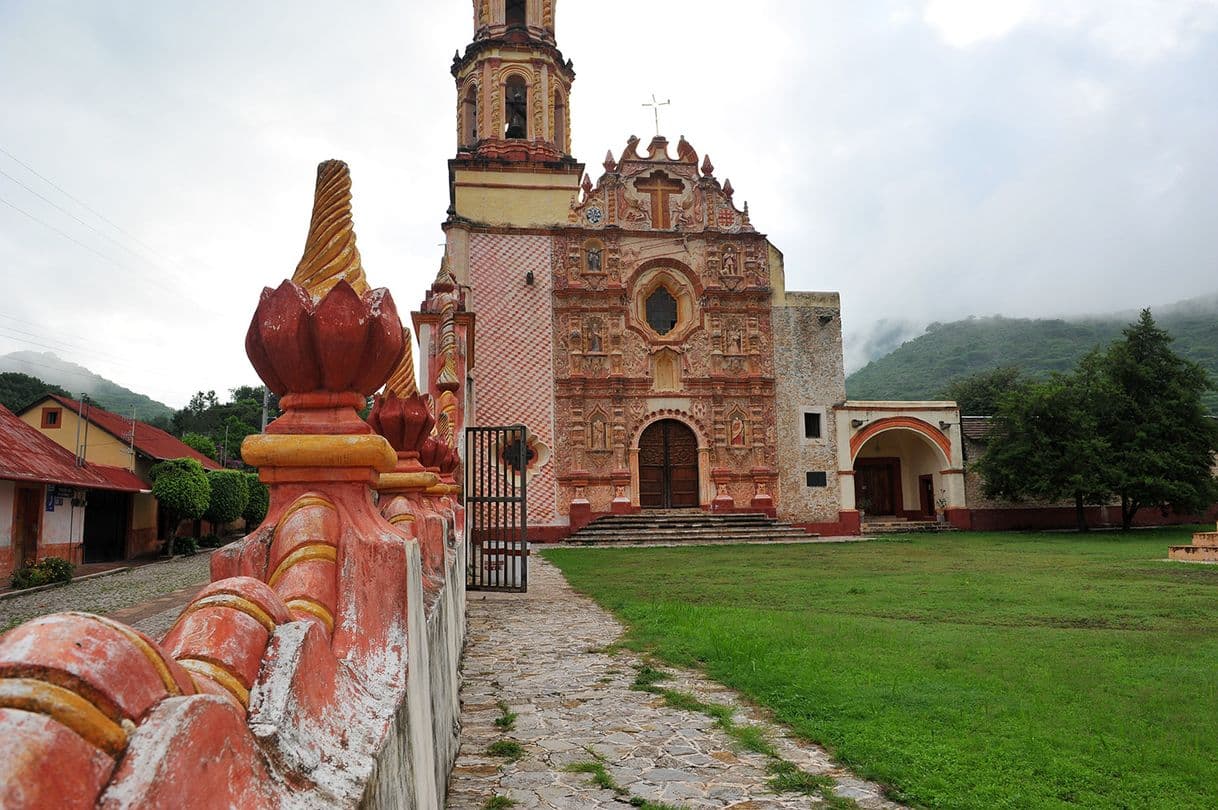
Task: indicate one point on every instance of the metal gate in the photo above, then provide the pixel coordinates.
(496, 489)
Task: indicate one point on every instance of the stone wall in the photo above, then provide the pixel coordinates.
(809, 378)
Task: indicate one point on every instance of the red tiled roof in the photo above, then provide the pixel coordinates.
(150, 441)
(27, 455)
(976, 427)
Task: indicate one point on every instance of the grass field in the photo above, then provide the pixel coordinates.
(964, 670)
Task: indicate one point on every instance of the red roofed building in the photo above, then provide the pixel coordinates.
(120, 525)
(44, 496)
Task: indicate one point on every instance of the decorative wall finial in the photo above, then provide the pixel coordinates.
(330, 253)
(402, 382)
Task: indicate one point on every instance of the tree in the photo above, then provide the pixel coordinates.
(978, 394)
(1162, 444)
(182, 489)
(18, 391)
(200, 443)
(229, 496)
(1045, 445)
(259, 501)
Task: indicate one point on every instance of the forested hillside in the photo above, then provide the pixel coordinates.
(923, 367)
(80, 380)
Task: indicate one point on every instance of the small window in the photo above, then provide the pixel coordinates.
(51, 417)
(516, 12)
(811, 426)
(516, 108)
(818, 479)
(662, 311)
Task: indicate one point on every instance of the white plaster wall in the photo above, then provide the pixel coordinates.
(6, 513)
(65, 525)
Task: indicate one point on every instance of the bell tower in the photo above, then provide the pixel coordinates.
(513, 85)
(513, 119)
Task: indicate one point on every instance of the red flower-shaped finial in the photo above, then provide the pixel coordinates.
(342, 343)
(405, 421)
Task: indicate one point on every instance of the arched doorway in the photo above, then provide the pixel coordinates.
(898, 472)
(668, 466)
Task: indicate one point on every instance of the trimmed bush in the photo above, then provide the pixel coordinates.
(229, 496)
(182, 489)
(200, 443)
(258, 504)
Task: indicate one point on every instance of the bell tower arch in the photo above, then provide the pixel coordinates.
(513, 118)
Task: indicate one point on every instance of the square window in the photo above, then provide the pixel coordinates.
(50, 417)
(818, 479)
(811, 425)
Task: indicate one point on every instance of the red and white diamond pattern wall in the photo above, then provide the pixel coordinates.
(515, 320)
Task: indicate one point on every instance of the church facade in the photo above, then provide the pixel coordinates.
(639, 325)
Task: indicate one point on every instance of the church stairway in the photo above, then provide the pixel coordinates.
(687, 526)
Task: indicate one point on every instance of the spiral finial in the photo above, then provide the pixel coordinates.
(402, 382)
(330, 253)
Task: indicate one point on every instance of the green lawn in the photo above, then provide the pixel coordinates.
(964, 670)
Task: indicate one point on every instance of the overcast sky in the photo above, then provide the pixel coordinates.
(930, 159)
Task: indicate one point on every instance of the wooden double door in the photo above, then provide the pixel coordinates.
(668, 466)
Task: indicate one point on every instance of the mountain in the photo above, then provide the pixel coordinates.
(921, 368)
(79, 380)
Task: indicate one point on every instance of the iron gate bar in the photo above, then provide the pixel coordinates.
(496, 476)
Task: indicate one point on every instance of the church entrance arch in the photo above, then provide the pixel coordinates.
(668, 466)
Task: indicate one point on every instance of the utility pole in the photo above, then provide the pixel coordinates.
(224, 449)
(266, 404)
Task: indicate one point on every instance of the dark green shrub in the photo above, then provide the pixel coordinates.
(186, 546)
(259, 502)
(182, 489)
(229, 496)
(210, 541)
(43, 572)
(201, 443)
(57, 569)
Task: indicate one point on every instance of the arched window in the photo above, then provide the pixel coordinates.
(516, 108)
(560, 123)
(516, 14)
(662, 311)
(469, 117)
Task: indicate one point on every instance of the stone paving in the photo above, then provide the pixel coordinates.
(542, 654)
(149, 597)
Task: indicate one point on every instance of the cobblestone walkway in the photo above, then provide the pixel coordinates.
(579, 721)
(149, 597)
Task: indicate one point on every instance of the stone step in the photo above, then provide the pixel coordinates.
(686, 526)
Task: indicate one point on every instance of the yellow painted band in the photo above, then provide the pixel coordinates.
(314, 608)
(220, 675)
(273, 450)
(305, 501)
(67, 708)
(153, 654)
(233, 602)
(405, 517)
(389, 482)
(312, 551)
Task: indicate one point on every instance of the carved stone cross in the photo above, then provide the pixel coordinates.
(660, 186)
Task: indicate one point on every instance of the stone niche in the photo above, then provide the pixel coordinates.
(666, 370)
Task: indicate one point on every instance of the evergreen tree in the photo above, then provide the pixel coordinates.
(1045, 444)
(979, 394)
(1161, 442)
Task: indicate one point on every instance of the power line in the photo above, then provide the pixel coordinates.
(81, 203)
(76, 241)
(63, 210)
